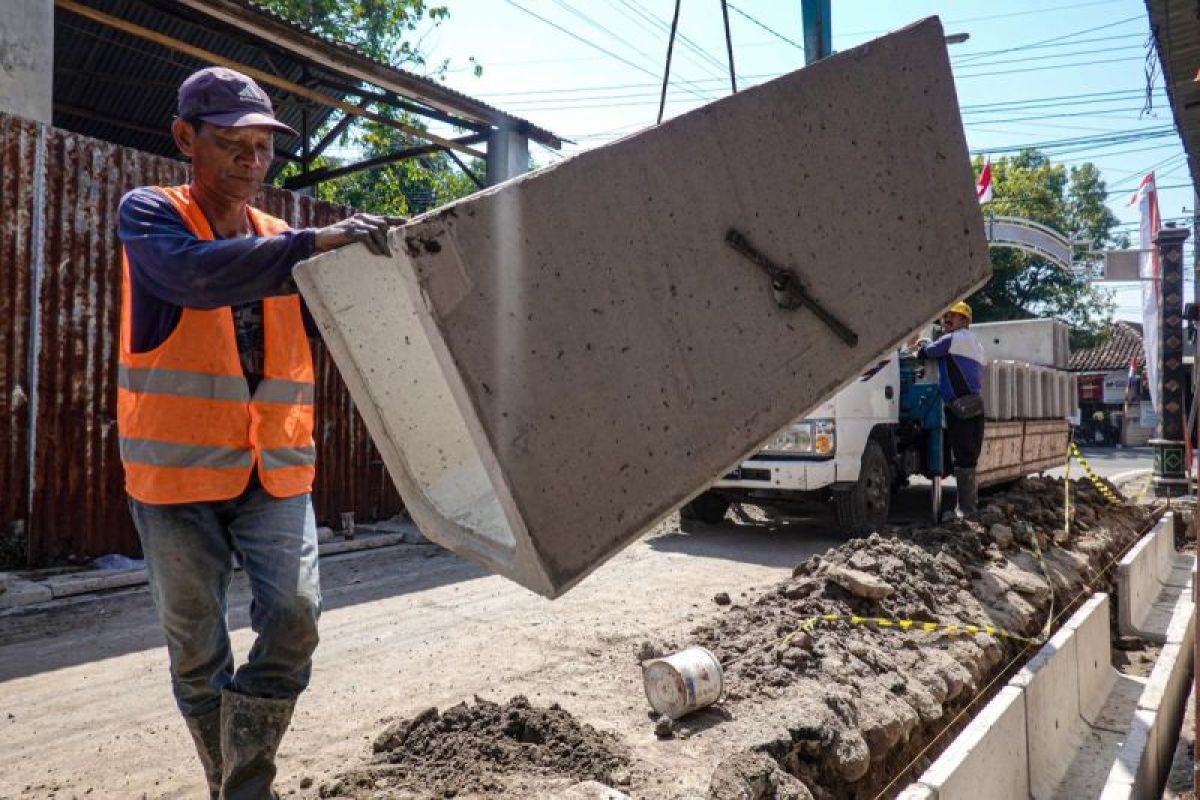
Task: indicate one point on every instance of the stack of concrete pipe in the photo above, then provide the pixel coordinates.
(1017, 390)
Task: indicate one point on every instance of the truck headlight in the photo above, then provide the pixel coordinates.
(807, 438)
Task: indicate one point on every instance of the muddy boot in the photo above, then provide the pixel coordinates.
(206, 733)
(251, 729)
(968, 494)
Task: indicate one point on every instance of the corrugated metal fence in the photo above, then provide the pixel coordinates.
(60, 475)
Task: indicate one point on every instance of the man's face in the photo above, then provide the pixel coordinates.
(952, 321)
(229, 162)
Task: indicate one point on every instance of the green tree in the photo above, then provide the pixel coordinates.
(1070, 201)
(384, 30)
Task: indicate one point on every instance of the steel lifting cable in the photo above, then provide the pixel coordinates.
(662, 102)
(729, 46)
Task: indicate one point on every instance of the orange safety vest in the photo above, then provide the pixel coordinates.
(190, 431)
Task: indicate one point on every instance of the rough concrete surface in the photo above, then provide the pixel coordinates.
(600, 342)
(27, 59)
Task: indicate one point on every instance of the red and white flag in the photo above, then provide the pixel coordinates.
(1146, 198)
(983, 188)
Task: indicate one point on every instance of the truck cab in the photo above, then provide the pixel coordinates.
(864, 443)
(823, 455)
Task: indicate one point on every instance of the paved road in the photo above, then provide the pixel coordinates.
(85, 706)
(1108, 461)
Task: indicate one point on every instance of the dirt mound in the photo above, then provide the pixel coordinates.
(474, 750)
(860, 699)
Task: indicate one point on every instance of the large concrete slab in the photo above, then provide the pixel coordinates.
(552, 365)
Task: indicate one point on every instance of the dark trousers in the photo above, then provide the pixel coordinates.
(964, 441)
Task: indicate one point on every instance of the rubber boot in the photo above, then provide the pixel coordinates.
(206, 733)
(251, 729)
(968, 494)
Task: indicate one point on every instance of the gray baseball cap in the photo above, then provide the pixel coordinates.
(227, 98)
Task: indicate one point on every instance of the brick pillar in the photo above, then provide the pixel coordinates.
(1170, 479)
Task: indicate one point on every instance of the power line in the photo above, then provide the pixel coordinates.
(1030, 45)
(768, 28)
(590, 43)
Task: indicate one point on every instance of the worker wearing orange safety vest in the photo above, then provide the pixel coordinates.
(215, 417)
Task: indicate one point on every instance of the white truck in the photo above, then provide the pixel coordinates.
(863, 444)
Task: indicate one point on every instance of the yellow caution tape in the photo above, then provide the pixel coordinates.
(951, 628)
(1101, 486)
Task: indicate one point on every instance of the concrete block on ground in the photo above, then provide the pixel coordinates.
(367, 541)
(1050, 681)
(76, 583)
(1093, 654)
(23, 593)
(552, 365)
(1133, 776)
(989, 760)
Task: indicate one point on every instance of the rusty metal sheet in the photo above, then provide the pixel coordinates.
(18, 140)
(60, 299)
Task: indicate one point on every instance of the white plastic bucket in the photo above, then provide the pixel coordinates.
(683, 682)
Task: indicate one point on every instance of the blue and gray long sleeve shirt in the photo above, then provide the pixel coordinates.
(964, 347)
(171, 269)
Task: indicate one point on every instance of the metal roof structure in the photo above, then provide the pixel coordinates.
(119, 63)
(1175, 25)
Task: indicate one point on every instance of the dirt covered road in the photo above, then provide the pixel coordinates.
(85, 706)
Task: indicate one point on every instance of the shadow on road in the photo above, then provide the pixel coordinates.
(776, 542)
(66, 635)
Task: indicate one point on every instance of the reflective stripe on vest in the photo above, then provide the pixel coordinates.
(282, 457)
(183, 383)
(172, 454)
(277, 390)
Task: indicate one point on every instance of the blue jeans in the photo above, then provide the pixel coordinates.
(189, 550)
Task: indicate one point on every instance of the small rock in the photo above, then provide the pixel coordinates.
(647, 650)
(664, 727)
(306, 782)
(722, 599)
(801, 588)
(1060, 536)
(860, 584)
(1002, 535)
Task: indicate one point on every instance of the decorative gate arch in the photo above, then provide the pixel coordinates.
(1031, 237)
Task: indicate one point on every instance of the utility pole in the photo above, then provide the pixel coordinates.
(1170, 468)
(818, 40)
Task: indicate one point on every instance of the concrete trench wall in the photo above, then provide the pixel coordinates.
(1153, 580)
(1037, 735)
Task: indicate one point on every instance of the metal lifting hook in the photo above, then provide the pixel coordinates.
(787, 289)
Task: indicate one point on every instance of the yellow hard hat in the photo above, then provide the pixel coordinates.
(960, 308)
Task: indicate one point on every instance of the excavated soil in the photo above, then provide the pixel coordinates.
(483, 750)
(850, 704)
(859, 700)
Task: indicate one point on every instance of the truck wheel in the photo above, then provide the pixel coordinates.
(708, 508)
(862, 508)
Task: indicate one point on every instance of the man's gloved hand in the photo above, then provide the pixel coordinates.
(370, 229)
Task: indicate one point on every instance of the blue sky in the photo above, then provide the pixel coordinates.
(1031, 72)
